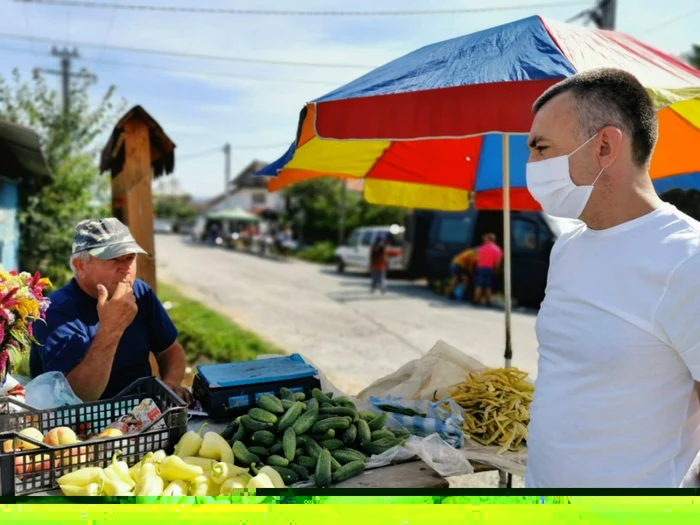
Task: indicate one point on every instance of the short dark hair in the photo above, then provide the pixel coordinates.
(611, 97)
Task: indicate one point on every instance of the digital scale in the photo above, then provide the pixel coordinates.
(227, 390)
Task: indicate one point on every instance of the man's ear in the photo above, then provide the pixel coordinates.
(611, 140)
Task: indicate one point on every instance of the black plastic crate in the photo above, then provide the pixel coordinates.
(216, 401)
(30, 471)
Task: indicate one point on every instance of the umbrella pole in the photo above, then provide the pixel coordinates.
(506, 480)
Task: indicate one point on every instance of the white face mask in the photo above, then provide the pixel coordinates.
(549, 182)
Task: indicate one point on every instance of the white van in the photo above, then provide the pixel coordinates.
(355, 253)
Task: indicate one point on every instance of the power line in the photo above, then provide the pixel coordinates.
(266, 12)
(180, 54)
(671, 21)
(211, 151)
(188, 71)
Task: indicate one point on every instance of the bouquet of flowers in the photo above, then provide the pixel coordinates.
(22, 302)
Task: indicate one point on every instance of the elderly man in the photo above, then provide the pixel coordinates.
(102, 326)
(615, 401)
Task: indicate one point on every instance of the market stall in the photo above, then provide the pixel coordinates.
(271, 419)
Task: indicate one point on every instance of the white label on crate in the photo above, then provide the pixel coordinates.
(260, 394)
(238, 401)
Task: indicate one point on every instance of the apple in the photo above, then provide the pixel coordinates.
(111, 432)
(8, 446)
(29, 464)
(60, 436)
(32, 433)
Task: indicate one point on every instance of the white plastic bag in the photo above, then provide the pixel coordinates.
(442, 458)
(50, 390)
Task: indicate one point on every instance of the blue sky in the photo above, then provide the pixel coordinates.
(201, 108)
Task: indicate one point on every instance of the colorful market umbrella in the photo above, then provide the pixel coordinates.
(449, 122)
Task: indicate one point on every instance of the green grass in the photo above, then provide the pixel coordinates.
(322, 252)
(203, 332)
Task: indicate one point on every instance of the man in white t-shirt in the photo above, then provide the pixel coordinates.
(616, 397)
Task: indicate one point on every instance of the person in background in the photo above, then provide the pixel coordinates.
(379, 262)
(102, 326)
(488, 259)
(461, 270)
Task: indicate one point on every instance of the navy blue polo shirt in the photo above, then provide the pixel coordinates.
(71, 326)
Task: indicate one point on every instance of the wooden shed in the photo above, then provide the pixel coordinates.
(21, 160)
(137, 152)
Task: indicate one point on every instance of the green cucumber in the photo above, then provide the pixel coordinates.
(287, 404)
(349, 470)
(253, 426)
(321, 397)
(401, 434)
(301, 472)
(336, 423)
(364, 434)
(378, 422)
(238, 434)
(243, 455)
(381, 445)
(259, 451)
(323, 469)
(321, 417)
(312, 404)
(302, 440)
(299, 452)
(328, 434)
(300, 396)
(346, 455)
(263, 438)
(288, 475)
(271, 404)
(277, 447)
(313, 449)
(287, 394)
(367, 416)
(230, 430)
(289, 444)
(305, 421)
(341, 411)
(379, 434)
(277, 461)
(290, 417)
(350, 435)
(306, 461)
(332, 444)
(258, 414)
(334, 464)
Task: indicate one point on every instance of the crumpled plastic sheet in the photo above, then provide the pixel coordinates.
(433, 450)
(50, 390)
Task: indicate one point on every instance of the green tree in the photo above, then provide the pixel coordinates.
(49, 210)
(320, 201)
(693, 57)
(174, 207)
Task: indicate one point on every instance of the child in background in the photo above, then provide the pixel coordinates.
(488, 259)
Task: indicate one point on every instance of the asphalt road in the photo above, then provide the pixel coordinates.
(353, 336)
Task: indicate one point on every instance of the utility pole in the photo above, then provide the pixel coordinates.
(343, 211)
(66, 56)
(602, 15)
(227, 167)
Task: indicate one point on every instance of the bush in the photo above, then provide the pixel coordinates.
(202, 332)
(322, 252)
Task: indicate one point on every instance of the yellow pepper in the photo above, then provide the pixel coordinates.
(121, 469)
(220, 471)
(176, 488)
(213, 488)
(190, 443)
(114, 486)
(260, 481)
(174, 468)
(274, 476)
(91, 489)
(232, 485)
(82, 477)
(205, 463)
(147, 471)
(159, 456)
(152, 486)
(216, 447)
(135, 471)
(199, 486)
